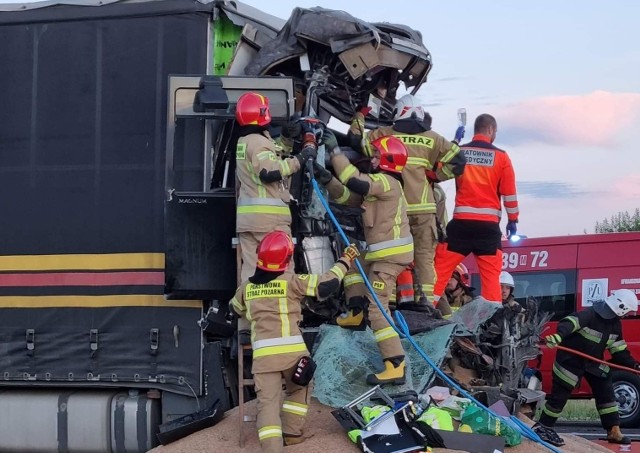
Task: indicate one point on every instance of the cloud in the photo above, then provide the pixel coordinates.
(449, 78)
(596, 119)
(549, 189)
(628, 187)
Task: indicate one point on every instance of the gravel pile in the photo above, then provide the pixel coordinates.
(324, 434)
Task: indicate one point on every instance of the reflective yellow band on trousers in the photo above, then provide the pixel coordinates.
(384, 334)
(275, 346)
(267, 432)
(294, 408)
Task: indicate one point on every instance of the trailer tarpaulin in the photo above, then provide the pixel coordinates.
(82, 152)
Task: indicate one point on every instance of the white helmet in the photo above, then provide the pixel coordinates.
(622, 301)
(408, 107)
(507, 279)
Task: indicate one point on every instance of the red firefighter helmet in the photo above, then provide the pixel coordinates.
(393, 154)
(275, 251)
(462, 274)
(253, 109)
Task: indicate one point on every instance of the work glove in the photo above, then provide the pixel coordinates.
(512, 228)
(231, 316)
(442, 235)
(307, 153)
(322, 175)
(292, 129)
(459, 134)
(431, 175)
(351, 252)
(329, 139)
(553, 340)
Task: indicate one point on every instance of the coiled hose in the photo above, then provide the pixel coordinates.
(403, 331)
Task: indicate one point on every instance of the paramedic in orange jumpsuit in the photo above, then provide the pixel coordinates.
(488, 180)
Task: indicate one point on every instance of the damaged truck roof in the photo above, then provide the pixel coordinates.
(359, 59)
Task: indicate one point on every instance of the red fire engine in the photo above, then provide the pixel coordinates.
(566, 274)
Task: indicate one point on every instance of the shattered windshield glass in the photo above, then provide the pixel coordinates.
(345, 358)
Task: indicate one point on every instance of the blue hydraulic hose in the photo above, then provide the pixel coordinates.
(513, 421)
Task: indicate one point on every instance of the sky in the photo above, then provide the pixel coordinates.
(562, 80)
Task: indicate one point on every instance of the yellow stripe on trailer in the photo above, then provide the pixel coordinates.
(102, 261)
(130, 300)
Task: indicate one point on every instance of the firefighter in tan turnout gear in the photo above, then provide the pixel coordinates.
(389, 241)
(270, 300)
(431, 158)
(263, 200)
(458, 292)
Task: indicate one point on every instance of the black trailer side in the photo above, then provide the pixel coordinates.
(83, 109)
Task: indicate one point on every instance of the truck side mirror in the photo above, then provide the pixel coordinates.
(211, 96)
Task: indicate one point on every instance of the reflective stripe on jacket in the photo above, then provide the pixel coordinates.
(273, 309)
(427, 151)
(386, 226)
(488, 176)
(588, 332)
(262, 207)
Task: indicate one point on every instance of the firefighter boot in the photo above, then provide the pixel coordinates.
(548, 435)
(394, 373)
(290, 439)
(614, 436)
(353, 319)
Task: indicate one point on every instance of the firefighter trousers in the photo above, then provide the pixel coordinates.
(425, 238)
(280, 416)
(382, 276)
(602, 389)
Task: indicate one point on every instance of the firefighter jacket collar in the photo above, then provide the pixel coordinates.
(253, 129)
(411, 126)
(261, 276)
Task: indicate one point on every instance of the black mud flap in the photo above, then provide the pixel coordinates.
(189, 424)
(200, 258)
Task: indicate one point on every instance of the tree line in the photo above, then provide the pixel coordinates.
(620, 222)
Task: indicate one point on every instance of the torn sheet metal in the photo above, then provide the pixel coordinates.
(346, 357)
(357, 58)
